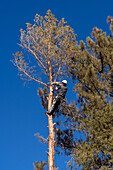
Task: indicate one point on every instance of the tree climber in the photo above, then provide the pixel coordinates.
(61, 89)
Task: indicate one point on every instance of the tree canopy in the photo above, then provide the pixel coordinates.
(48, 43)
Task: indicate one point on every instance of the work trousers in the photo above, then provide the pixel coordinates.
(55, 104)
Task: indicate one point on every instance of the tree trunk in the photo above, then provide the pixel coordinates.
(51, 134)
(51, 140)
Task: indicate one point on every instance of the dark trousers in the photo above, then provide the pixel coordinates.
(55, 104)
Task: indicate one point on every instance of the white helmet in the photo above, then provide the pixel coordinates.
(64, 81)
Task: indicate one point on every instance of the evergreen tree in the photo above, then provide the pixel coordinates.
(46, 47)
(91, 68)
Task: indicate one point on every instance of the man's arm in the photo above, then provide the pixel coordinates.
(57, 84)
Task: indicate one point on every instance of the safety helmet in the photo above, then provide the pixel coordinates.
(64, 81)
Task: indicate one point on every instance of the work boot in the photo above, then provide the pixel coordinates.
(48, 113)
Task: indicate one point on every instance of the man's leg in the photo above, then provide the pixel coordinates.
(54, 106)
(51, 110)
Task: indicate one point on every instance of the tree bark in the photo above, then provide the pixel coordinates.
(51, 138)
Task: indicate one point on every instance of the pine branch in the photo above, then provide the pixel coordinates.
(28, 48)
(58, 72)
(30, 76)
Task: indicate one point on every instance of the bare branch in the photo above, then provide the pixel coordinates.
(30, 76)
(58, 72)
(28, 48)
(34, 41)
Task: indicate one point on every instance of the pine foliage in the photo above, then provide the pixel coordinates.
(40, 165)
(46, 46)
(92, 70)
(91, 115)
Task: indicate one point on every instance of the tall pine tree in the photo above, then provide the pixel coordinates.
(46, 47)
(91, 69)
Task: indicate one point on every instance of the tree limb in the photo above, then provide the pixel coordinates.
(30, 76)
(28, 48)
(58, 72)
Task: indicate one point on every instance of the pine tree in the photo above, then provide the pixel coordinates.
(91, 69)
(46, 46)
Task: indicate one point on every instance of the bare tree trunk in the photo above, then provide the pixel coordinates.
(51, 138)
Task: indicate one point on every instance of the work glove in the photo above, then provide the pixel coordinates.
(56, 83)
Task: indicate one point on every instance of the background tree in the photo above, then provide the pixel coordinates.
(91, 69)
(46, 46)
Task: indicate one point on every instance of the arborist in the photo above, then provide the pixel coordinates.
(61, 89)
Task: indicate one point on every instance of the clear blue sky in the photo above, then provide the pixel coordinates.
(21, 114)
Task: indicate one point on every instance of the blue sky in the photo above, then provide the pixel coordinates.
(21, 114)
